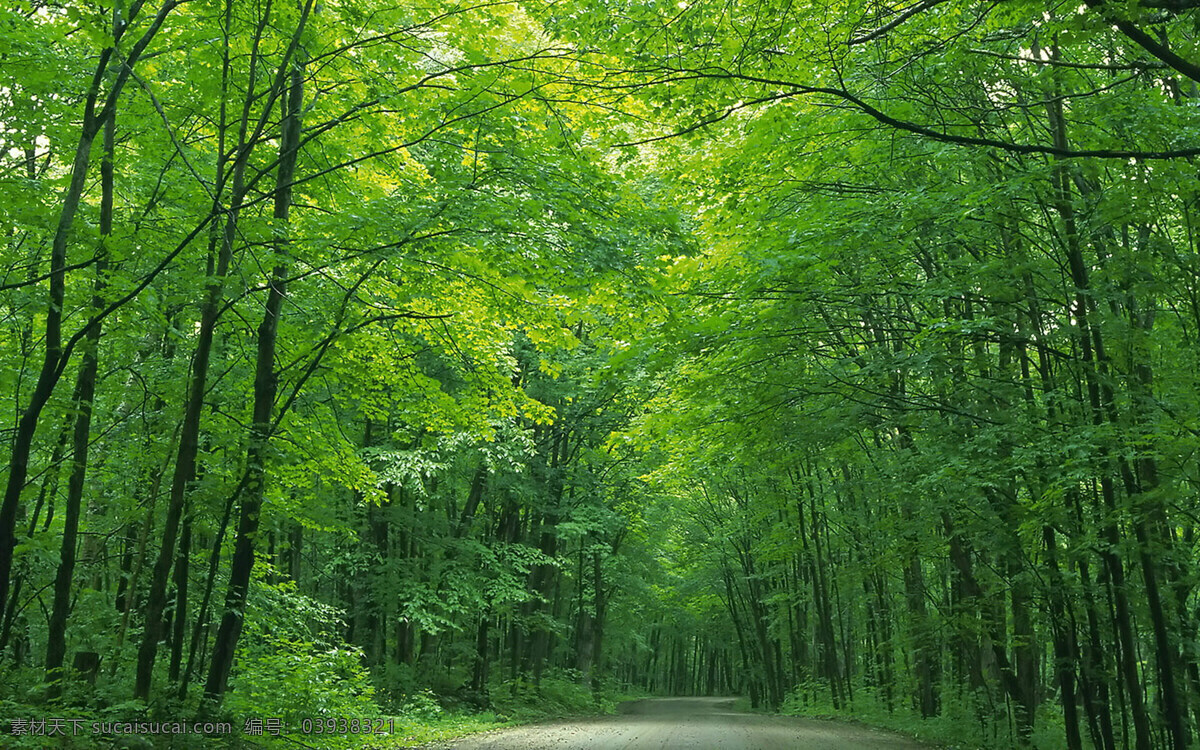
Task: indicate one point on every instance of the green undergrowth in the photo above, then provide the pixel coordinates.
(415, 732)
(424, 717)
(514, 702)
(407, 720)
(965, 721)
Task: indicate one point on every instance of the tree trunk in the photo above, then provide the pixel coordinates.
(54, 361)
(221, 246)
(85, 391)
(1109, 533)
(264, 404)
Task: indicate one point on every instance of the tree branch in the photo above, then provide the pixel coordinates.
(1147, 42)
(797, 89)
(920, 7)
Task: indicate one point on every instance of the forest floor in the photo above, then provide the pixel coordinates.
(685, 723)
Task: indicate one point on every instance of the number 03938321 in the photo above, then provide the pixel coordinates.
(346, 725)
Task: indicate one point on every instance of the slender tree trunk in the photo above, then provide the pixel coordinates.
(46, 493)
(179, 618)
(1109, 532)
(85, 390)
(51, 371)
(1092, 682)
(221, 246)
(264, 406)
(1065, 651)
(54, 361)
(600, 607)
(200, 628)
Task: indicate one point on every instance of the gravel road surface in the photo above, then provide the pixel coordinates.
(686, 724)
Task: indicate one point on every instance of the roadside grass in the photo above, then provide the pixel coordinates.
(411, 732)
(512, 703)
(965, 722)
(415, 720)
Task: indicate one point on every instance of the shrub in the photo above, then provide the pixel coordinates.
(292, 664)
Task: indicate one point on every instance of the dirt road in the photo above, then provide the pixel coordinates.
(686, 724)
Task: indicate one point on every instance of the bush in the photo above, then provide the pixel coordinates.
(967, 720)
(560, 694)
(292, 664)
(421, 706)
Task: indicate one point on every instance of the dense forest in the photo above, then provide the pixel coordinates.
(367, 359)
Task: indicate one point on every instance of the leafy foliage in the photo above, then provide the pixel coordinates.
(458, 358)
